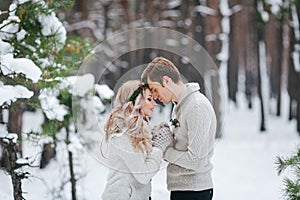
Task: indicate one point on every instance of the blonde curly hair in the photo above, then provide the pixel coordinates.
(126, 115)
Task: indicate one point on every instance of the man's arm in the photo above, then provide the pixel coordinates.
(199, 121)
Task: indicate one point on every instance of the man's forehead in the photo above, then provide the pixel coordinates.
(153, 85)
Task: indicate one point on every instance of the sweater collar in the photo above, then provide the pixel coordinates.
(190, 88)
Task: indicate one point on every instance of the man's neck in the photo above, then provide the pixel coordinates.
(178, 89)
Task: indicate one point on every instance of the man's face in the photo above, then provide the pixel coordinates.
(159, 92)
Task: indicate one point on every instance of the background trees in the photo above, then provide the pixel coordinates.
(230, 31)
(255, 42)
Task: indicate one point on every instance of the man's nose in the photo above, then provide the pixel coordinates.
(154, 94)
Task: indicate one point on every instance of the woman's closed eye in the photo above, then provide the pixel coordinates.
(150, 99)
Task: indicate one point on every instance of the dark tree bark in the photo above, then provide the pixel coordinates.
(73, 179)
(298, 74)
(273, 38)
(15, 122)
(48, 153)
(294, 77)
(257, 39)
(198, 33)
(11, 151)
(213, 46)
(236, 53)
(251, 47)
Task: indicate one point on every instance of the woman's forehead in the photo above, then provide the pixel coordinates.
(148, 92)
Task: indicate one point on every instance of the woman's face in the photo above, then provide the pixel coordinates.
(149, 105)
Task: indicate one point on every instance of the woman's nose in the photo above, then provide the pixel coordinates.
(154, 103)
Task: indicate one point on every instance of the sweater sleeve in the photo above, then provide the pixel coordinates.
(142, 167)
(199, 120)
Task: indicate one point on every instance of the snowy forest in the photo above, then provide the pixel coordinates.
(49, 91)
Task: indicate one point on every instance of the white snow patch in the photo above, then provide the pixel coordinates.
(104, 91)
(11, 93)
(51, 106)
(52, 26)
(25, 66)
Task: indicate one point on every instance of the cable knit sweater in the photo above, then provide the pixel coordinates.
(189, 159)
(130, 170)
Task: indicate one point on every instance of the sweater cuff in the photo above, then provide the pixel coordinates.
(157, 151)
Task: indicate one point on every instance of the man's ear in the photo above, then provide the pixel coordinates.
(166, 80)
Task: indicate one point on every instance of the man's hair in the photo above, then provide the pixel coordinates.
(158, 68)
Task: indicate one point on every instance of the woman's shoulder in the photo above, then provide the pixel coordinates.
(122, 142)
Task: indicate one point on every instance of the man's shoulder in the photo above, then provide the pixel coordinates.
(196, 101)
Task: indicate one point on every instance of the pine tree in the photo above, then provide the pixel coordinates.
(291, 185)
(38, 62)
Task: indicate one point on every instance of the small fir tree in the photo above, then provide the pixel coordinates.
(291, 185)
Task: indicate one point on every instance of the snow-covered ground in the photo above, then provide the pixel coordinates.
(244, 159)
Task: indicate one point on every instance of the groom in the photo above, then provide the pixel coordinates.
(189, 168)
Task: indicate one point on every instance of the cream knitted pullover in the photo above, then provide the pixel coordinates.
(130, 170)
(190, 158)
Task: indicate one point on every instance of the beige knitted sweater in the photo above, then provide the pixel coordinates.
(130, 171)
(190, 158)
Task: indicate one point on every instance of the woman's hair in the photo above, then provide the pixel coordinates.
(126, 115)
(158, 68)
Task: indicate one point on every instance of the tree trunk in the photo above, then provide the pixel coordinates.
(213, 46)
(11, 151)
(251, 50)
(261, 66)
(298, 114)
(279, 67)
(15, 124)
(236, 53)
(71, 167)
(261, 97)
(198, 33)
(15, 177)
(293, 73)
(73, 180)
(273, 38)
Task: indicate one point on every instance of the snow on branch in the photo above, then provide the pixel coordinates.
(10, 65)
(104, 92)
(5, 48)
(78, 85)
(11, 93)
(52, 26)
(10, 137)
(51, 106)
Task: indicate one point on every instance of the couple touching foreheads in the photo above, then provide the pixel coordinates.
(135, 150)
